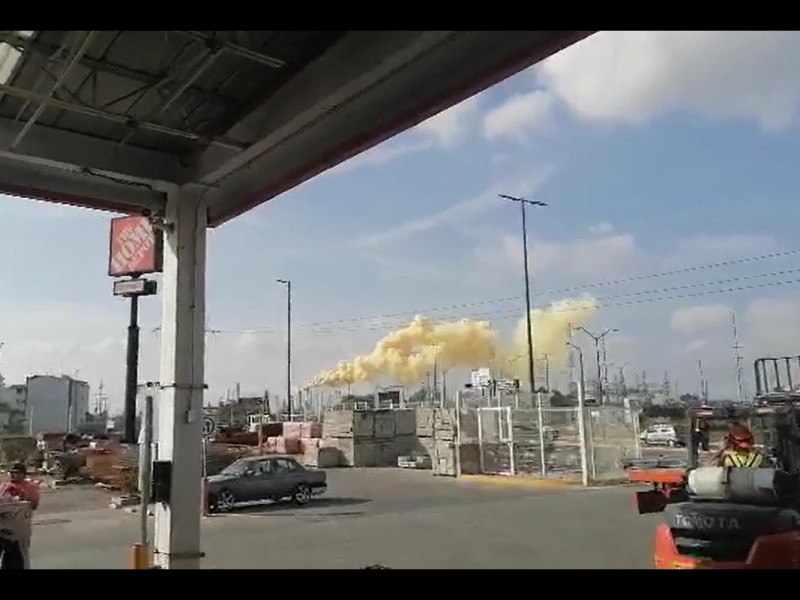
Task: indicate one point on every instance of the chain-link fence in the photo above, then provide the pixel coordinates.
(613, 440)
(520, 434)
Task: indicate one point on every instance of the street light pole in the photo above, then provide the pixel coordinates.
(598, 339)
(579, 350)
(522, 202)
(288, 285)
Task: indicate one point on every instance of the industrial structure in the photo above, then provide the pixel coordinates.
(56, 403)
(194, 128)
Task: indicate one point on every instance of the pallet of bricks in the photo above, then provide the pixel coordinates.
(436, 439)
(369, 438)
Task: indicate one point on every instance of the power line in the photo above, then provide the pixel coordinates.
(514, 315)
(604, 301)
(564, 290)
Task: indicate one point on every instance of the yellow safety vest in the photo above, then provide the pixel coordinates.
(747, 460)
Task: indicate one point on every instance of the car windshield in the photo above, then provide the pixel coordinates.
(236, 468)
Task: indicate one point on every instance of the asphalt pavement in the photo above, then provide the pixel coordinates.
(402, 519)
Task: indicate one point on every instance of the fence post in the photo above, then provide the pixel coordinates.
(510, 424)
(479, 415)
(582, 437)
(540, 417)
(458, 433)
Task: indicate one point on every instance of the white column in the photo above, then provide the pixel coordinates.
(180, 405)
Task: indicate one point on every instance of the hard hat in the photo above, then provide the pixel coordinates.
(741, 437)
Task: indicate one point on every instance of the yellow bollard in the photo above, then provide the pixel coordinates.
(140, 556)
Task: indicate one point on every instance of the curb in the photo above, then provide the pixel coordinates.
(513, 481)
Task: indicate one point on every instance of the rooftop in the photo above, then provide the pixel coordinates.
(115, 119)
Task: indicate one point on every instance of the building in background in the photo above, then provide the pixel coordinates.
(56, 403)
(12, 407)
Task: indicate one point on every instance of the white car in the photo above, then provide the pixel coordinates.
(661, 435)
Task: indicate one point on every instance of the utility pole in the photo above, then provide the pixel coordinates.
(288, 285)
(703, 382)
(522, 202)
(737, 359)
(597, 340)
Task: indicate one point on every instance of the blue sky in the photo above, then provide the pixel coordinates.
(655, 152)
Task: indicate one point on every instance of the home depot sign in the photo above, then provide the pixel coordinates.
(135, 248)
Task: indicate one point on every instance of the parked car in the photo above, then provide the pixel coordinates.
(262, 478)
(662, 435)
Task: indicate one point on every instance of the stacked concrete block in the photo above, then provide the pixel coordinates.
(321, 457)
(436, 435)
(369, 438)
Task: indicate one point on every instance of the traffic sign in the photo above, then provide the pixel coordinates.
(209, 426)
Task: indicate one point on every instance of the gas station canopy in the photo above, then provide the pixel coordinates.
(194, 128)
(112, 120)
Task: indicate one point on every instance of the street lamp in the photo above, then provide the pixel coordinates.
(288, 285)
(522, 202)
(579, 350)
(598, 339)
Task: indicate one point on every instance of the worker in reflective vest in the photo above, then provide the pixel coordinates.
(739, 449)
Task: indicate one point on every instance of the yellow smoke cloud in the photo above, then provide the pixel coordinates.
(403, 356)
(550, 326)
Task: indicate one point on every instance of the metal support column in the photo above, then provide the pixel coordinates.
(180, 417)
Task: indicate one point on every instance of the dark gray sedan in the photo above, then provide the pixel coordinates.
(261, 478)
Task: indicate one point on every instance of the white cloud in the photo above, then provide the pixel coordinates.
(693, 347)
(602, 228)
(589, 259)
(695, 319)
(773, 325)
(461, 211)
(91, 344)
(382, 154)
(633, 76)
(451, 127)
(520, 117)
(703, 249)
(445, 130)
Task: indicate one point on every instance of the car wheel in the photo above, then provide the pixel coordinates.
(225, 501)
(302, 494)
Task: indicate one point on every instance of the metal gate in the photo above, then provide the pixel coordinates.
(496, 440)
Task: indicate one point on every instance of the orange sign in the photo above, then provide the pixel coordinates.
(135, 247)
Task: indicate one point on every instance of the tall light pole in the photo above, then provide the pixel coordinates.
(288, 285)
(522, 202)
(579, 350)
(598, 339)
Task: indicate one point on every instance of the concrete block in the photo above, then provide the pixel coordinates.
(357, 453)
(405, 422)
(363, 424)
(405, 444)
(444, 460)
(424, 421)
(383, 424)
(386, 454)
(337, 424)
(423, 446)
